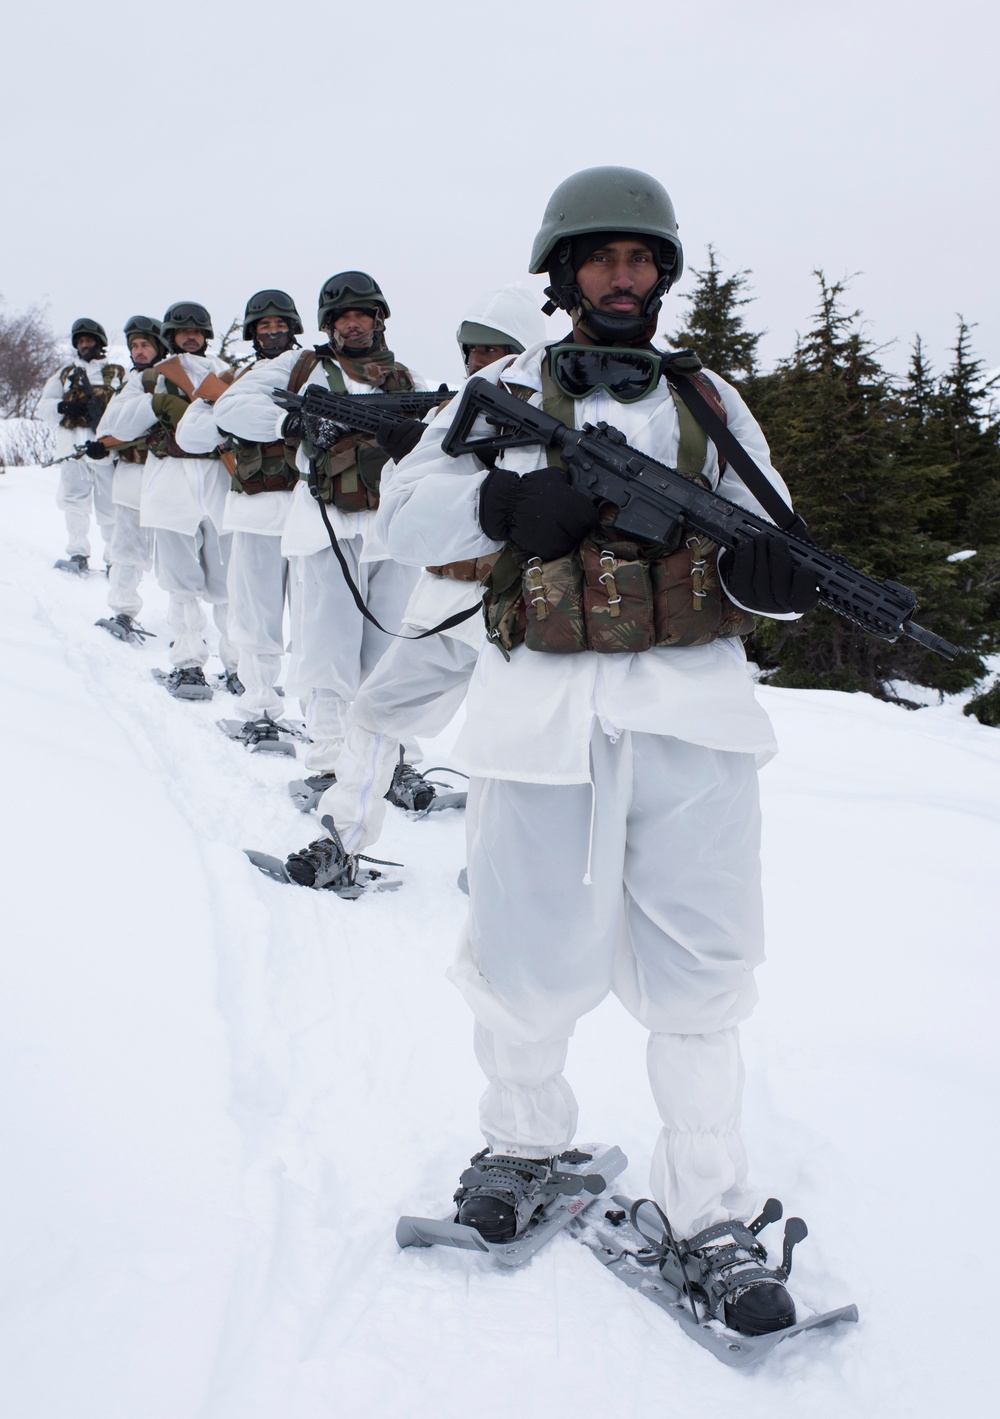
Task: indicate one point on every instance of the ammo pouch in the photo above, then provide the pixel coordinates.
(264, 467)
(348, 475)
(611, 594)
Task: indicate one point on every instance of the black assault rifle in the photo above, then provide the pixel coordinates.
(362, 413)
(654, 500)
(80, 393)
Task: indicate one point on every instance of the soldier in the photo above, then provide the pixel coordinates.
(332, 647)
(131, 544)
(616, 841)
(257, 505)
(72, 403)
(183, 497)
(418, 685)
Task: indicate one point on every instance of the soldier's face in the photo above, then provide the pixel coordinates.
(192, 342)
(86, 346)
(480, 356)
(143, 351)
(354, 325)
(618, 277)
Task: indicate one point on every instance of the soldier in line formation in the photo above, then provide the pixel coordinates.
(614, 843)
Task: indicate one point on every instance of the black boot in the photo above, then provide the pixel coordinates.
(409, 789)
(324, 863)
(498, 1195)
(188, 683)
(232, 682)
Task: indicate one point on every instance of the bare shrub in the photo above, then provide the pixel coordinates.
(24, 442)
(28, 354)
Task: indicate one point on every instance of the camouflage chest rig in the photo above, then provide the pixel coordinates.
(88, 403)
(611, 594)
(348, 474)
(160, 440)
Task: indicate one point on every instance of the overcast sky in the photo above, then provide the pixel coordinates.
(154, 153)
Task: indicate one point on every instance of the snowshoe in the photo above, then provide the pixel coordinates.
(463, 881)
(325, 866)
(185, 683)
(259, 735)
(125, 628)
(716, 1284)
(510, 1207)
(417, 793)
(229, 680)
(306, 792)
(77, 564)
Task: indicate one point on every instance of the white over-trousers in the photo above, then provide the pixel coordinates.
(416, 688)
(131, 552)
(333, 647)
(672, 923)
(258, 585)
(81, 482)
(192, 570)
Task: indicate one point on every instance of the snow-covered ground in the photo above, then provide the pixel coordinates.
(218, 1093)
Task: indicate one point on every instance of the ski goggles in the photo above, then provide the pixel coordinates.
(627, 375)
(275, 301)
(346, 289)
(187, 314)
(142, 325)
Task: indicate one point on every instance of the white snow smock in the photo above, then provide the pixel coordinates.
(55, 391)
(177, 493)
(512, 310)
(531, 719)
(247, 410)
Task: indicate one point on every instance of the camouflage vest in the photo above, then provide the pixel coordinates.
(74, 381)
(350, 472)
(612, 594)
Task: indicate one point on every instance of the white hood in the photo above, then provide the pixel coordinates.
(513, 310)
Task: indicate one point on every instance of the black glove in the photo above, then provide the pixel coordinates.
(541, 512)
(293, 428)
(761, 574)
(399, 439)
(321, 433)
(96, 449)
(70, 406)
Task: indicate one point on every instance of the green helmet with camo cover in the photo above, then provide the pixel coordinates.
(613, 203)
(147, 328)
(185, 315)
(86, 326)
(350, 290)
(266, 303)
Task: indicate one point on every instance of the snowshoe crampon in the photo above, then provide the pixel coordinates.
(700, 1281)
(125, 628)
(306, 792)
(545, 1199)
(185, 683)
(258, 735)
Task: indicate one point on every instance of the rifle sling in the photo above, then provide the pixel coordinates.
(734, 453)
(359, 600)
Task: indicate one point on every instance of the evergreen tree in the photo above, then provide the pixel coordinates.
(715, 328)
(836, 428)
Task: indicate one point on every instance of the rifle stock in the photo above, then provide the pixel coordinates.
(653, 500)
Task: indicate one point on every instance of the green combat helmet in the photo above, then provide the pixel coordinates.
(185, 315)
(266, 303)
(148, 328)
(351, 290)
(620, 202)
(86, 326)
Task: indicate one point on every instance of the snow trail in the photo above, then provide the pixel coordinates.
(220, 1092)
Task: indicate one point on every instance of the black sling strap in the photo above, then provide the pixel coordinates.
(734, 453)
(359, 600)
